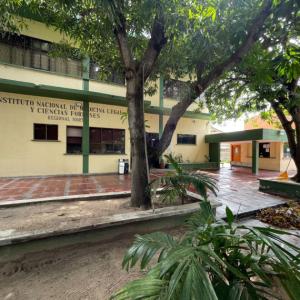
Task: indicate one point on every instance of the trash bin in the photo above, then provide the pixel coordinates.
(121, 168)
(126, 166)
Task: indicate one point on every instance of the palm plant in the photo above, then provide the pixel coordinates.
(175, 184)
(213, 260)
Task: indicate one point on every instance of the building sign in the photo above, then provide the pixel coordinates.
(61, 110)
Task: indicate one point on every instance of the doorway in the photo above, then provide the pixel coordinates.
(236, 153)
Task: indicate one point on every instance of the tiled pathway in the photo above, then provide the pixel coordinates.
(238, 188)
(55, 186)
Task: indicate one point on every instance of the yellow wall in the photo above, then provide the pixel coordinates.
(191, 153)
(20, 73)
(39, 30)
(276, 162)
(21, 156)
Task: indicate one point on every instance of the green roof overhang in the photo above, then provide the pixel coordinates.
(27, 88)
(260, 134)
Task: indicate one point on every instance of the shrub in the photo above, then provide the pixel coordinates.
(213, 260)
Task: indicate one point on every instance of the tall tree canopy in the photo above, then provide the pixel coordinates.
(268, 78)
(201, 39)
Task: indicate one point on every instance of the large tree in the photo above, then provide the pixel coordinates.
(174, 37)
(268, 78)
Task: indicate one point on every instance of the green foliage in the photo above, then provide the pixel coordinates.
(213, 260)
(264, 75)
(8, 20)
(175, 184)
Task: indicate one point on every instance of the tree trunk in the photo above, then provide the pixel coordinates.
(140, 193)
(293, 135)
(296, 153)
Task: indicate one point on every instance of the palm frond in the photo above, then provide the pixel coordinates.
(146, 246)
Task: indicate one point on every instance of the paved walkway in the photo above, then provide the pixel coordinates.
(239, 182)
(238, 189)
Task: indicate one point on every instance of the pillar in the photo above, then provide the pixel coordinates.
(255, 157)
(214, 153)
(86, 117)
(161, 105)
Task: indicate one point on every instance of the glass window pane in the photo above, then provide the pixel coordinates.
(5, 52)
(74, 131)
(52, 132)
(74, 140)
(45, 46)
(95, 135)
(36, 44)
(45, 62)
(74, 67)
(39, 131)
(186, 139)
(27, 58)
(264, 150)
(36, 60)
(107, 135)
(17, 56)
(96, 148)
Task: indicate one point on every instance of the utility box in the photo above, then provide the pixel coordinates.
(123, 167)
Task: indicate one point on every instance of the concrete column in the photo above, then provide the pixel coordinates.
(86, 117)
(214, 153)
(161, 105)
(255, 157)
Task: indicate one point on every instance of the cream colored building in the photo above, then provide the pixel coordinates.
(57, 118)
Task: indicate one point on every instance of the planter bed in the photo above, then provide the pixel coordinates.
(285, 188)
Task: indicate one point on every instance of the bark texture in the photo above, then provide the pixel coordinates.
(140, 195)
(292, 126)
(136, 74)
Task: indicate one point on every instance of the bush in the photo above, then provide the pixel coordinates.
(213, 260)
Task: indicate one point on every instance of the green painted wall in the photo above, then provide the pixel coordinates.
(247, 135)
(280, 188)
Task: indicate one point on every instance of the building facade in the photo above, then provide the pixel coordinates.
(57, 118)
(260, 146)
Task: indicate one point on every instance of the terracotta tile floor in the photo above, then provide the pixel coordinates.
(238, 181)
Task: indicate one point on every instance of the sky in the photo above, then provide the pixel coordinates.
(230, 125)
(234, 125)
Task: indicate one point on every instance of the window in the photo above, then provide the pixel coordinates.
(286, 151)
(45, 132)
(264, 150)
(175, 89)
(105, 140)
(102, 140)
(109, 75)
(74, 140)
(33, 53)
(188, 139)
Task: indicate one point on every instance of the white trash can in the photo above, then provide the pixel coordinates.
(121, 166)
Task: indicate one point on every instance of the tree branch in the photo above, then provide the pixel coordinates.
(287, 126)
(201, 85)
(252, 36)
(155, 44)
(121, 36)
